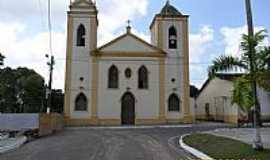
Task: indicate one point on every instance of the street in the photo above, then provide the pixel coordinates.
(108, 144)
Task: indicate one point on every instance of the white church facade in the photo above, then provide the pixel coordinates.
(127, 81)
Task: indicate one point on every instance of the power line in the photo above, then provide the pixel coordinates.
(41, 14)
(51, 62)
(50, 27)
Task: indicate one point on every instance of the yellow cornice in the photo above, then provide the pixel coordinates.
(168, 18)
(128, 54)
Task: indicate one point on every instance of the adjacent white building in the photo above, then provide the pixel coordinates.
(127, 81)
(214, 100)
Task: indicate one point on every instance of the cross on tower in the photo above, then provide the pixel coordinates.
(128, 26)
(128, 22)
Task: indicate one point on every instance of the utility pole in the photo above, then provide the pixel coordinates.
(50, 63)
(257, 143)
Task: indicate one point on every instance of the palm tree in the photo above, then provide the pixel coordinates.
(257, 144)
(261, 58)
(257, 72)
(261, 62)
(2, 57)
(242, 94)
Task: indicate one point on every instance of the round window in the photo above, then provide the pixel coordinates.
(128, 73)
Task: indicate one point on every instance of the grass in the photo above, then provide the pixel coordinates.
(225, 148)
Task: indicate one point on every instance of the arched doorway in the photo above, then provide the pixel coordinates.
(128, 109)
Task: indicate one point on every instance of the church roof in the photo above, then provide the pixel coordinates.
(169, 10)
(222, 76)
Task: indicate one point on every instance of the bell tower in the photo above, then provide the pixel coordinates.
(81, 42)
(169, 32)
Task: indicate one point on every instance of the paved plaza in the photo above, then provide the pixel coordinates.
(150, 143)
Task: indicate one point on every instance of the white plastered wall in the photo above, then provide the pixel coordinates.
(217, 89)
(129, 44)
(109, 100)
(81, 67)
(264, 98)
(174, 67)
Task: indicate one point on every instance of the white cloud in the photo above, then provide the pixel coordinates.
(199, 42)
(232, 38)
(30, 51)
(24, 42)
(114, 15)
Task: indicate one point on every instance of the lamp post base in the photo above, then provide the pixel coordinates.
(258, 146)
(257, 143)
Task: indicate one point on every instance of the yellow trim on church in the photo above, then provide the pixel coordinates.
(68, 67)
(95, 85)
(162, 116)
(129, 54)
(187, 113)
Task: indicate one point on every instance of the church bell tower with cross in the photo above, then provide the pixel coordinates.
(169, 31)
(81, 42)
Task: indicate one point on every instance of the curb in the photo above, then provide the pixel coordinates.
(13, 146)
(4, 137)
(130, 127)
(193, 151)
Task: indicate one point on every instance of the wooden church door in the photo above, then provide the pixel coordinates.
(128, 109)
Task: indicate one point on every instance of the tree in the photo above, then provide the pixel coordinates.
(21, 91)
(8, 91)
(2, 57)
(251, 53)
(57, 101)
(261, 60)
(255, 61)
(242, 94)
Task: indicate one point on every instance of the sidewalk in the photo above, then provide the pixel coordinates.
(244, 134)
(11, 143)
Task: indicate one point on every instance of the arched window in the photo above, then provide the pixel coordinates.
(174, 103)
(81, 103)
(172, 38)
(143, 78)
(81, 35)
(113, 77)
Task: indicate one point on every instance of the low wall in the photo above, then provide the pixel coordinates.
(45, 124)
(18, 122)
(50, 123)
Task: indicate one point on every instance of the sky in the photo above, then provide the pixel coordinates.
(215, 29)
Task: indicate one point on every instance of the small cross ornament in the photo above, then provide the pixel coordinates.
(128, 22)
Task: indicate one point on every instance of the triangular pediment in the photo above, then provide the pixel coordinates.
(129, 43)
